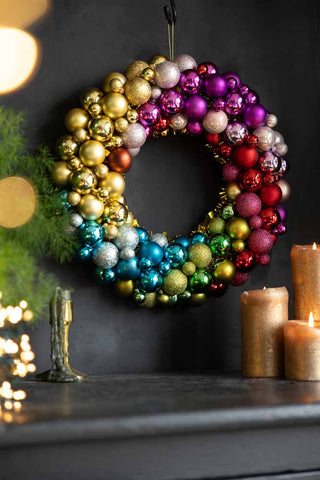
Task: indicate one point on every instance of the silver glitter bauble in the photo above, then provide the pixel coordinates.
(134, 151)
(127, 253)
(178, 122)
(167, 75)
(135, 136)
(155, 93)
(75, 220)
(215, 122)
(160, 239)
(278, 138)
(236, 133)
(106, 255)
(185, 62)
(265, 137)
(127, 237)
(282, 148)
(271, 120)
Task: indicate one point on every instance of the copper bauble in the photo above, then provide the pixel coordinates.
(60, 173)
(135, 69)
(93, 95)
(101, 128)
(76, 118)
(90, 207)
(137, 91)
(92, 153)
(115, 183)
(106, 85)
(120, 160)
(67, 147)
(83, 180)
(115, 105)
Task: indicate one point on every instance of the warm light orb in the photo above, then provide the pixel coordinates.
(22, 13)
(311, 320)
(314, 246)
(18, 58)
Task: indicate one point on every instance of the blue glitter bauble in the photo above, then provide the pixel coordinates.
(150, 281)
(153, 251)
(128, 270)
(183, 241)
(90, 233)
(143, 235)
(176, 254)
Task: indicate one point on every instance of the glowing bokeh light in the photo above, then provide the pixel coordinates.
(22, 13)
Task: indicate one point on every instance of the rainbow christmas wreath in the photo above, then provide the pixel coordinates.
(155, 99)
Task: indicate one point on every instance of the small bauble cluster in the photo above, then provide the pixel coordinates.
(113, 123)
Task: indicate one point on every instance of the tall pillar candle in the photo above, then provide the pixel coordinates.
(263, 315)
(305, 260)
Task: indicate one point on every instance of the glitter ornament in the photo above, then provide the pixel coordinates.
(185, 62)
(105, 255)
(167, 74)
(135, 136)
(160, 239)
(127, 237)
(175, 282)
(248, 204)
(200, 255)
(260, 241)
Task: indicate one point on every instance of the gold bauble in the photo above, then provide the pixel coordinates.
(93, 95)
(121, 124)
(121, 199)
(216, 225)
(156, 59)
(175, 282)
(132, 116)
(137, 90)
(224, 271)
(148, 74)
(101, 128)
(90, 207)
(200, 254)
(18, 202)
(76, 118)
(238, 228)
(60, 173)
(233, 190)
(238, 245)
(74, 163)
(115, 213)
(130, 218)
(81, 135)
(124, 287)
(92, 153)
(67, 147)
(115, 105)
(74, 198)
(101, 170)
(117, 141)
(106, 85)
(198, 299)
(110, 231)
(116, 85)
(102, 193)
(114, 182)
(163, 298)
(150, 300)
(135, 69)
(95, 109)
(83, 180)
(188, 268)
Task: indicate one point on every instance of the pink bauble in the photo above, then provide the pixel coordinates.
(240, 278)
(171, 102)
(248, 204)
(215, 122)
(263, 260)
(255, 222)
(260, 241)
(230, 172)
(254, 115)
(194, 128)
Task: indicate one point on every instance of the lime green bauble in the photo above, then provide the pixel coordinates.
(216, 225)
(227, 212)
(200, 255)
(175, 282)
(200, 281)
(220, 245)
(188, 268)
(238, 228)
(224, 271)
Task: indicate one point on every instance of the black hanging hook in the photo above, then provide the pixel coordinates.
(171, 13)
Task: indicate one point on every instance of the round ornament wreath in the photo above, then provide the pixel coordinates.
(151, 100)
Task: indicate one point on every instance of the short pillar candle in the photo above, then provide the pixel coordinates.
(263, 316)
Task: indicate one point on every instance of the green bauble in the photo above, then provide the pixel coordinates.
(184, 297)
(220, 245)
(200, 255)
(224, 271)
(227, 212)
(175, 282)
(200, 281)
(216, 225)
(188, 268)
(139, 297)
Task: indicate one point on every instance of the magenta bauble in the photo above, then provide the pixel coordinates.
(230, 172)
(248, 204)
(215, 86)
(195, 107)
(171, 102)
(254, 115)
(260, 241)
(149, 114)
(190, 82)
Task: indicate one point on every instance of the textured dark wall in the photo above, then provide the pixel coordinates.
(274, 46)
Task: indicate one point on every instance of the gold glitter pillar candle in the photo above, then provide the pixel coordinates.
(263, 315)
(305, 260)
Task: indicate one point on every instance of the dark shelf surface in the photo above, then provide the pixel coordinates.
(122, 406)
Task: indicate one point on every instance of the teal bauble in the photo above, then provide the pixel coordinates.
(143, 235)
(153, 251)
(84, 253)
(150, 281)
(220, 245)
(200, 281)
(164, 267)
(105, 276)
(176, 255)
(183, 241)
(198, 237)
(145, 263)
(90, 233)
(128, 269)
(227, 212)
(63, 205)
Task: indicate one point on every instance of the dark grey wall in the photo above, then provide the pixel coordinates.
(274, 45)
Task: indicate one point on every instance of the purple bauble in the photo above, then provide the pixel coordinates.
(207, 68)
(190, 81)
(233, 80)
(282, 212)
(194, 128)
(280, 229)
(195, 107)
(234, 103)
(149, 114)
(251, 97)
(254, 115)
(236, 133)
(219, 104)
(171, 102)
(215, 86)
(244, 90)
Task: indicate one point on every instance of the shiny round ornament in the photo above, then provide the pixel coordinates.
(190, 82)
(128, 270)
(167, 74)
(105, 255)
(195, 107)
(271, 120)
(90, 207)
(269, 162)
(127, 237)
(67, 147)
(171, 102)
(233, 191)
(178, 122)
(110, 231)
(234, 104)
(164, 267)
(80, 135)
(220, 245)
(207, 68)
(236, 133)
(200, 281)
(150, 281)
(215, 122)
(176, 254)
(109, 84)
(153, 251)
(149, 114)
(265, 138)
(238, 228)
(282, 149)
(115, 213)
(114, 183)
(73, 198)
(224, 271)
(101, 128)
(124, 288)
(245, 261)
(285, 189)
(254, 115)
(83, 180)
(270, 218)
(215, 86)
(120, 160)
(92, 153)
(76, 118)
(95, 109)
(233, 80)
(60, 174)
(115, 105)
(90, 233)
(250, 179)
(93, 95)
(84, 253)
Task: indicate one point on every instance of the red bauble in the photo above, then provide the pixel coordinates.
(217, 289)
(120, 160)
(271, 195)
(260, 241)
(248, 204)
(230, 172)
(240, 278)
(161, 125)
(245, 157)
(245, 261)
(251, 180)
(225, 150)
(212, 138)
(251, 141)
(263, 260)
(270, 178)
(270, 218)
